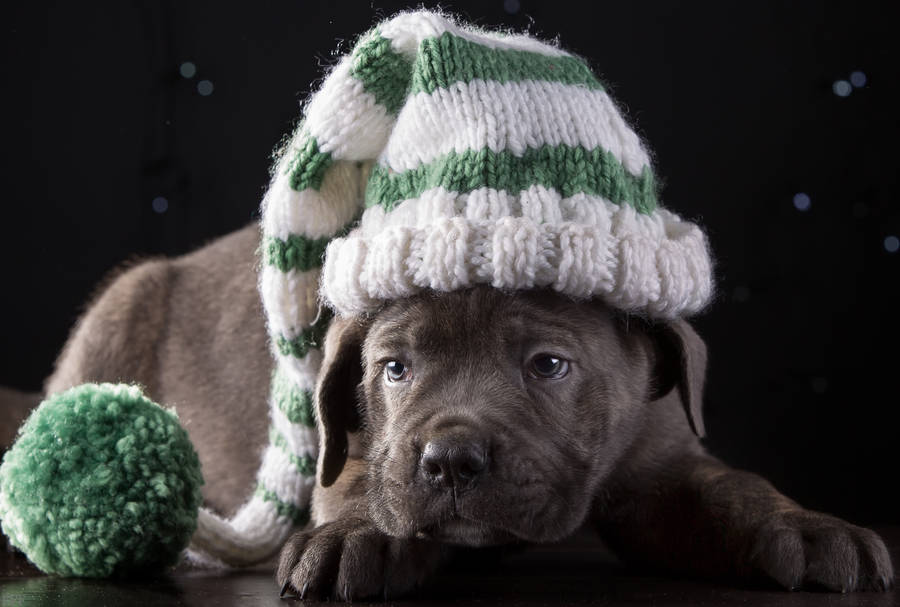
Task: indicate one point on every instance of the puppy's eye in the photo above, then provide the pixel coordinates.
(395, 371)
(547, 366)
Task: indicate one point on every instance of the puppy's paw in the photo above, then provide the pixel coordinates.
(814, 550)
(351, 559)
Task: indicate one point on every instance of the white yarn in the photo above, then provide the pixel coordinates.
(346, 120)
(303, 371)
(538, 203)
(240, 546)
(633, 261)
(290, 300)
(313, 213)
(288, 487)
(510, 116)
(301, 440)
(407, 30)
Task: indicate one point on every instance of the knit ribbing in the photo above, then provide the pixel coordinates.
(654, 264)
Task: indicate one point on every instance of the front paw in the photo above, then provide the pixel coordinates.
(810, 549)
(351, 559)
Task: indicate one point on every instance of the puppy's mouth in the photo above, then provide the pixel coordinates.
(463, 532)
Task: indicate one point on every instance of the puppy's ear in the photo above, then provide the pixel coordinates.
(681, 363)
(336, 406)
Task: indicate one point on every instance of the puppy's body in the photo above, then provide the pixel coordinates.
(612, 441)
(473, 447)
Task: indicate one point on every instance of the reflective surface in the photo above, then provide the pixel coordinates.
(577, 572)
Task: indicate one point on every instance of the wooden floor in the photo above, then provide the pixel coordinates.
(577, 572)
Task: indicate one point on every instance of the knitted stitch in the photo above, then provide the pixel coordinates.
(438, 156)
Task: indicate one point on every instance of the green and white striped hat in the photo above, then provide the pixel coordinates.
(439, 156)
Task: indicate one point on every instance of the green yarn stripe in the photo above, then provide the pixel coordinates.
(308, 166)
(391, 77)
(567, 169)
(294, 402)
(298, 252)
(447, 59)
(384, 73)
(311, 337)
(299, 516)
(305, 464)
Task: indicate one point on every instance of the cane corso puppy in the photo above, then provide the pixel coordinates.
(471, 418)
(489, 417)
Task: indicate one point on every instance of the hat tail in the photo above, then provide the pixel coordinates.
(316, 193)
(318, 186)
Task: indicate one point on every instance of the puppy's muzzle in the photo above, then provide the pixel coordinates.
(454, 458)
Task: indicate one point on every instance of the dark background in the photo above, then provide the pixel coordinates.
(737, 100)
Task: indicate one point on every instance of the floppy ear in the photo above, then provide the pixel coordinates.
(336, 402)
(681, 363)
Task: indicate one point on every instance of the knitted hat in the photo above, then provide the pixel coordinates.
(438, 156)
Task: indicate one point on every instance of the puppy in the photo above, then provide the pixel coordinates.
(472, 418)
(488, 417)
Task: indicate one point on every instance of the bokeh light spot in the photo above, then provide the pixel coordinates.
(160, 204)
(841, 88)
(891, 244)
(858, 79)
(802, 201)
(187, 69)
(512, 6)
(205, 88)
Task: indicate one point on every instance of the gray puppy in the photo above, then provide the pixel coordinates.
(490, 417)
(472, 418)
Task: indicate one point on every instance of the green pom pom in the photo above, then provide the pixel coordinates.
(101, 481)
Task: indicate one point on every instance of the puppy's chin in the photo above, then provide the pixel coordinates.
(461, 532)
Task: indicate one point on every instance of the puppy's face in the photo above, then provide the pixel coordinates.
(490, 416)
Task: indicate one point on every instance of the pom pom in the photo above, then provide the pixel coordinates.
(101, 482)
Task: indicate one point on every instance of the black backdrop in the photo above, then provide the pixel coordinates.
(738, 101)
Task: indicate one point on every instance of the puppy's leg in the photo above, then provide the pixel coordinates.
(699, 516)
(346, 556)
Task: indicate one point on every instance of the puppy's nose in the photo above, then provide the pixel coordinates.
(453, 461)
